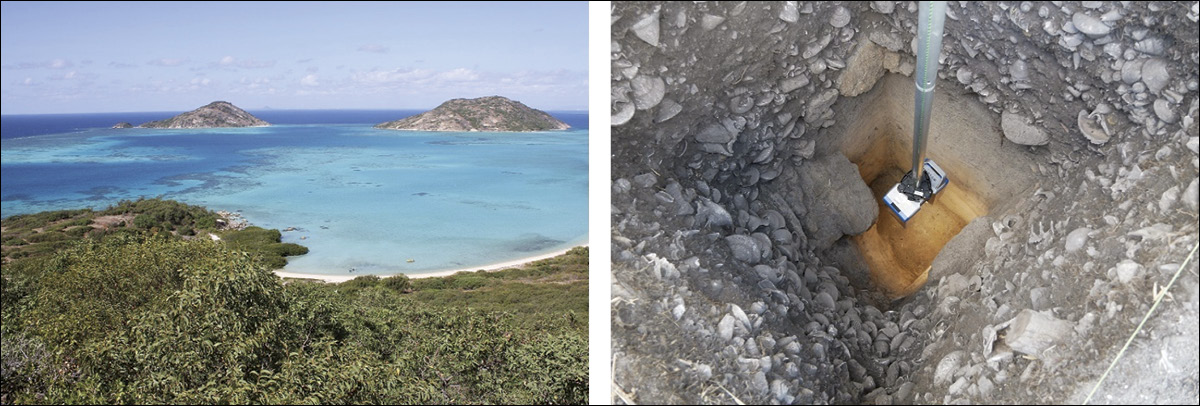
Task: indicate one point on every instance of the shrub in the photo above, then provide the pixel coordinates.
(430, 283)
(94, 287)
(252, 237)
(167, 214)
(82, 220)
(398, 283)
(79, 231)
(207, 222)
(27, 368)
(22, 221)
(361, 282)
(48, 248)
(288, 249)
(265, 243)
(13, 240)
(468, 282)
(104, 233)
(47, 236)
(145, 221)
(203, 341)
(270, 261)
(125, 317)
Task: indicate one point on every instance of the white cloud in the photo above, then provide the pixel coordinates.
(195, 84)
(462, 82)
(458, 75)
(255, 64)
(57, 63)
(253, 86)
(376, 48)
(395, 76)
(408, 77)
(168, 62)
(65, 76)
(230, 61)
(310, 80)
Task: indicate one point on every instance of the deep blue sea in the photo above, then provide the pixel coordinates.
(359, 197)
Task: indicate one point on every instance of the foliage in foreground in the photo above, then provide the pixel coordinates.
(151, 319)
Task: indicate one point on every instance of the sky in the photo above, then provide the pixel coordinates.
(98, 57)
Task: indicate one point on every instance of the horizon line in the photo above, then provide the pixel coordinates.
(267, 109)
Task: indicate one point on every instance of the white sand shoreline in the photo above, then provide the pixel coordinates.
(489, 267)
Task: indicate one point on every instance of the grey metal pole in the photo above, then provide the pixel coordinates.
(930, 27)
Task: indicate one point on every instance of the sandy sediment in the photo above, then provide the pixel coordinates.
(433, 274)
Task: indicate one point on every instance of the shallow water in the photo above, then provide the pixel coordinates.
(359, 197)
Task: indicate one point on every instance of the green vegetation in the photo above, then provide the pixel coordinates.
(264, 242)
(167, 215)
(398, 283)
(30, 221)
(47, 232)
(127, 314)
(552, 285)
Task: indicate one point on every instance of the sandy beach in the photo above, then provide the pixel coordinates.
(490, 267)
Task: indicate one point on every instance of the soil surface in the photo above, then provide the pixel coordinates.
(752, 264)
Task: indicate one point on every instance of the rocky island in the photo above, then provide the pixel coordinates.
(493, 113)
(215, 114)
(122, 125)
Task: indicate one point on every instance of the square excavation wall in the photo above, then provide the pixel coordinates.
(985, 172)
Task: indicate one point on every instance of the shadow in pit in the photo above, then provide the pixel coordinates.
(986, 174)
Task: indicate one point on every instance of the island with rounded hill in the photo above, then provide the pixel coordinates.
(490, 114)
(214, 115)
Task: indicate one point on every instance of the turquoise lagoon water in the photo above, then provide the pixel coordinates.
(358, 197)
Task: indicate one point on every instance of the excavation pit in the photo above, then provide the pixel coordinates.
(747, 140)
(899, 254)
(965, 139)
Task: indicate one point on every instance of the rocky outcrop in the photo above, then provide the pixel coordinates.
(215, 114)
(493, 114)
(122, 125)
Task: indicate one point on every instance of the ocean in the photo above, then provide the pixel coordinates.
(358, 197)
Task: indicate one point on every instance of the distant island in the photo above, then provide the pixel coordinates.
(215, 114)
(492, 113)
(122, 125)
